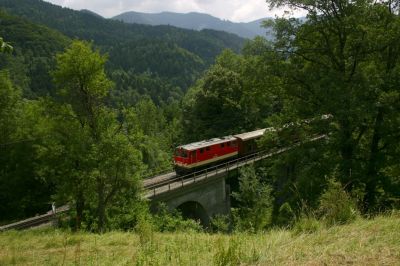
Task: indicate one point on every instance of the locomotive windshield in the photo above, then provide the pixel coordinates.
(181, 153)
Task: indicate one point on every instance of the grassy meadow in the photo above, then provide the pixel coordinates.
(363, 242)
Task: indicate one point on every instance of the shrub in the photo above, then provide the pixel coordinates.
(144, 229)
(307, 224)
(128, 213)
(172, 221)
(255, 200)
(220, 223)
(336, 206)
(286, 216)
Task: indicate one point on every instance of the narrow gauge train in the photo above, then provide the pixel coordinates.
(199, 155)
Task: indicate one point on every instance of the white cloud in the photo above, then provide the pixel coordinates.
(234, 10)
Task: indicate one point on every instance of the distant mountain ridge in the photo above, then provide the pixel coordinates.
(90, 12)
(196, 21)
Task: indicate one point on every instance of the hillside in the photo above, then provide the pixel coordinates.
(34, 49)
(175, 57)
(196, 21)
(371, 242)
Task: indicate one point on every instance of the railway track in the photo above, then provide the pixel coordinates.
(49, 217)
(158, 179)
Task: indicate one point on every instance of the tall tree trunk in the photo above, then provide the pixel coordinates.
(101, 207)
(346, 152)
(372, 166)
(80, 204)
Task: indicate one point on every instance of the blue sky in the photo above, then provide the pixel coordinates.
(234, 10)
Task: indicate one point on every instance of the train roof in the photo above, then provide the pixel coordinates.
(253, 134)
(243, 136)
(206, 143)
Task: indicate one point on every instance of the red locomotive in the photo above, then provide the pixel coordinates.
(197, 155)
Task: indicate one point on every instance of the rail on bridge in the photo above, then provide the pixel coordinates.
(175, 182)
(48, 218)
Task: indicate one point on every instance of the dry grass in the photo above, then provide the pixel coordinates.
(363, 242)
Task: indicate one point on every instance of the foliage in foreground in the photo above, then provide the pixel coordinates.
(89, 157)
(254, 202)
(166, 220)
(374, 241)
(336, 206)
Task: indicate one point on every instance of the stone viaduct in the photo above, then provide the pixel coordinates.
(201, 200)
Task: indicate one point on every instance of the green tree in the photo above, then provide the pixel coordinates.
(141, 123)
(217, 103)
(254, 202)
(22, 128)
(343, 60)
(98, 160)
(231, 97)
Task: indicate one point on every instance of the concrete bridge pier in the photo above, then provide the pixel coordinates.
(200, 201)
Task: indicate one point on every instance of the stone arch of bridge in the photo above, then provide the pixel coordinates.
(194, 210)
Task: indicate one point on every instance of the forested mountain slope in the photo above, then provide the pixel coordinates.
(108, 32)
(174, 57)
(34, 49)
(195, 21)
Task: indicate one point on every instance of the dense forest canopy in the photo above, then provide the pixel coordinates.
(344, 60)
(82, 121)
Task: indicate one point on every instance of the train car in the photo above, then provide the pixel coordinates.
(197, 155)
(247, 142)
(194, 156)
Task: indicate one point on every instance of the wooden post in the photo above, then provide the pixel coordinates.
(54, 214)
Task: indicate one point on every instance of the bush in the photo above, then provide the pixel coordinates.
(220, 223)
(167, 221)
(307, 224)
(336, 206)
(286, 216)
(128, 213)
(144, 228)
(255, 202)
